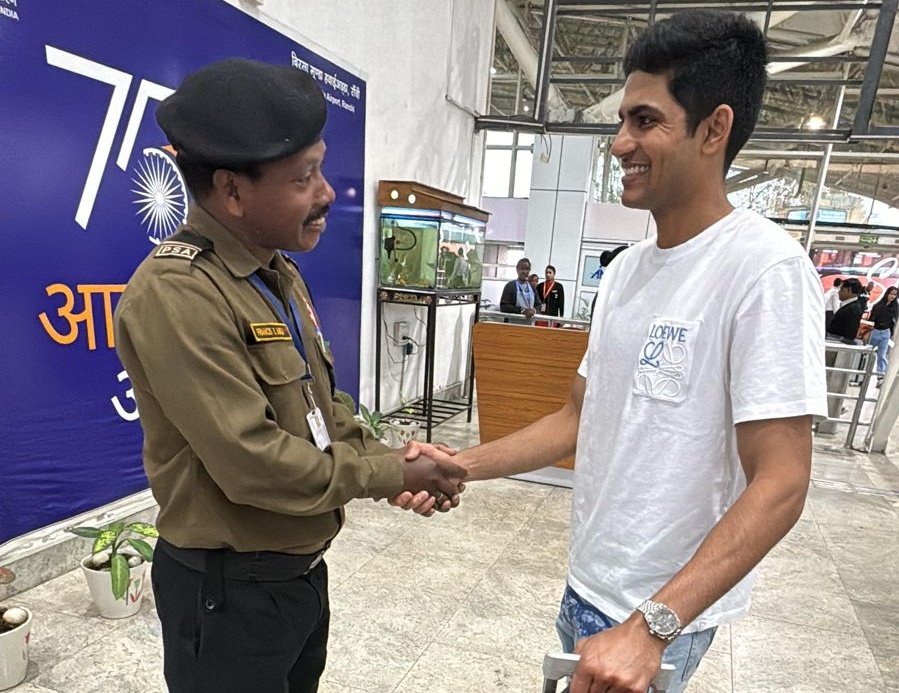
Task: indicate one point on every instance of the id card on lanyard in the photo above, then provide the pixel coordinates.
(314, 418)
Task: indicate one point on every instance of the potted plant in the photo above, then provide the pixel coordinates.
(15, 633)
(116, 568)
(374, 421)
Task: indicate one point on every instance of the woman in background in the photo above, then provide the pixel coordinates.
(884, 315)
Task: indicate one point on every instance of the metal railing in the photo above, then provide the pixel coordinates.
(517, 319)
(844, 358)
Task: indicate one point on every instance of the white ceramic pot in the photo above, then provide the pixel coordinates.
(100, 584)
(14, 654)
(403, 431)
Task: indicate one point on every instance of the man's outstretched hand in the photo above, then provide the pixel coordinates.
(425, 501)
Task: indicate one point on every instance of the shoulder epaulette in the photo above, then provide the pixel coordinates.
(185, 245)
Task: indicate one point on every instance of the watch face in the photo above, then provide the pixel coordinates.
(664, 622)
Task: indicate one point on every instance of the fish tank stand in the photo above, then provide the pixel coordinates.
(427, 409)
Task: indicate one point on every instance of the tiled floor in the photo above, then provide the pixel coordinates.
(465, 603)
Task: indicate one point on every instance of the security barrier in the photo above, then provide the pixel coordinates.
(845, 362)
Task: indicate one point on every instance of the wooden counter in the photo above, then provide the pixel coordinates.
(523, 373)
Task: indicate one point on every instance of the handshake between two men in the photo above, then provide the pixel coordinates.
(433, 481)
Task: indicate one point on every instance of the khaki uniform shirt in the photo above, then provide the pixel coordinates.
(227, 446)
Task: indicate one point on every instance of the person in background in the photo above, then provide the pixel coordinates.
(848, 318)
(445, 263)
(605, 259)
(884, 315)
(865, 296)
(459, 275)
(248, 452)
(534, 281)
(551, 294)
(518, 296)
(832, 301)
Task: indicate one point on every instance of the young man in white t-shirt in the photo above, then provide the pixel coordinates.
(690, 415)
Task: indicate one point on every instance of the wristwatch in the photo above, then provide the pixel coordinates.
(663, 623)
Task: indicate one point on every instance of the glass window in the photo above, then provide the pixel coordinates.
(524, 161)
(497, 171)
(607, 185)
(498, 137)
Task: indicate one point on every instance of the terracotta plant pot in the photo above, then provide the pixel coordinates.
(100, 584)
(14, 654)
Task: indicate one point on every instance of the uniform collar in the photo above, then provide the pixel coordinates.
(234, 254)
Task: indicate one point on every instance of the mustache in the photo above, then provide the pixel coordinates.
(318, 214)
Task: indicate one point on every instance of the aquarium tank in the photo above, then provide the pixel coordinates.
(432, 242)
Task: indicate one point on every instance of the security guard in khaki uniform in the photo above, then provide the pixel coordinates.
(248, 454)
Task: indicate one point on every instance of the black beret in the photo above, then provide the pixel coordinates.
(240, 112)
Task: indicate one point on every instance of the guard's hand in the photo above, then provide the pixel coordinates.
(423, 503)
(623, 659)
(432, 470)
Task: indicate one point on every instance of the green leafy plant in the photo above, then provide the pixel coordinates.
(109, 541)
(374, 421)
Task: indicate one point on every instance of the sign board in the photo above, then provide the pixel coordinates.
(88, 190)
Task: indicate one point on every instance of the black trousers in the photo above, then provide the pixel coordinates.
(266, 636)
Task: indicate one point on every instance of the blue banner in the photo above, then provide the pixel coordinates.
(89, 187)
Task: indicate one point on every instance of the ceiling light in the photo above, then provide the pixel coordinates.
(815, 122)
(492, 70)
(527, 108)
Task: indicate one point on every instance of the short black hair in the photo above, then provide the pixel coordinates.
(853, 285)
(521, 262)
(552, 268)
(712, 58)
(605, 257)
(198, 175)
(837, 281)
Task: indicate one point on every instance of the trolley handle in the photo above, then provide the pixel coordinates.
(558, 665)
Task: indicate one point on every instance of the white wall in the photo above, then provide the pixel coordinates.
(612, 222)
(508, 218)
(560, 184)
(416, 56)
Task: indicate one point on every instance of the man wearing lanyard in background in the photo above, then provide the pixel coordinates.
(248, 454)
(518, 295)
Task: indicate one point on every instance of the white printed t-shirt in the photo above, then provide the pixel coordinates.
(686, 342)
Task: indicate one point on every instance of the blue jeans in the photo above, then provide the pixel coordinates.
(578, 619)
(881, 340)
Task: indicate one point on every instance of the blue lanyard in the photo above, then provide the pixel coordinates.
(293, 326)
(525, 293)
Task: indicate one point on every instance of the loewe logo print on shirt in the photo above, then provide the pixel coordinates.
(665, 360)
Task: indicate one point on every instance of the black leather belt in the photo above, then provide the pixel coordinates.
(251, 566)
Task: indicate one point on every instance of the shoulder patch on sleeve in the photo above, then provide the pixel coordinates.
(184, 245)
(185, 251)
